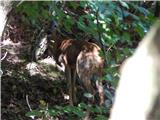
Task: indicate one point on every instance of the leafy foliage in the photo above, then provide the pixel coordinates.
(70, 112)
(117, 26)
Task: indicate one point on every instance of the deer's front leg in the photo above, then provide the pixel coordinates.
(69, 83)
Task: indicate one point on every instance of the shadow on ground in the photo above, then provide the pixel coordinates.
(17, 84)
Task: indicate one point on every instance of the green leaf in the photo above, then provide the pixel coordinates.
(67, 109)
(73, 109)
(124, 4)
(33, 113)
(78, 112)
(68, 23)
(126, 37)
(53, 112)
(81, 24)
(59, 107)
(74, 4)
(109, 77)
(96, 109)
(134, 17)
(108, 94)
(82, 106)
(45, 14)
(101, 117)
(139, 8)
(140, 30)
(143, 10)
(88, 95)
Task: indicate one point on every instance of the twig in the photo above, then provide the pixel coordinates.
(109, 48)
(4, 56)
(28, 103)
(20, 2)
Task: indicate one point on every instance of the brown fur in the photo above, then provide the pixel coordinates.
(82, 58)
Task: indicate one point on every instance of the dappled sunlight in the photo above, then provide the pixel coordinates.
(45, 70)
(13, 51)
(32, 68)
(51, 61)
(60, 53)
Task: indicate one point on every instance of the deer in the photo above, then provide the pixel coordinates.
(90, 64)
(80, 58)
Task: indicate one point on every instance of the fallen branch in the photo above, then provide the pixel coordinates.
(28, 103)
(4, 56)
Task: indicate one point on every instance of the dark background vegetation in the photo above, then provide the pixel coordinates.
(30, 81)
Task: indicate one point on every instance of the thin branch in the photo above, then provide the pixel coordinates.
(4, 56)
(28, 103)
(109, 48)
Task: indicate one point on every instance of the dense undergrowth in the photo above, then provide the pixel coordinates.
(32, 89)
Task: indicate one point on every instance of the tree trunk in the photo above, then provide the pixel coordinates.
(5, 7)
(138, 93)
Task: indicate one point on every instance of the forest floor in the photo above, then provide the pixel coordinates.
(28, 85)
(18, 86)
(25, 84)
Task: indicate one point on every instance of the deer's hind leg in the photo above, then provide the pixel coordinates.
(69, 83)
(100, 91)
(74, 90)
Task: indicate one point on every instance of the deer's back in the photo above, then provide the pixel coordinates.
(70, 49)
